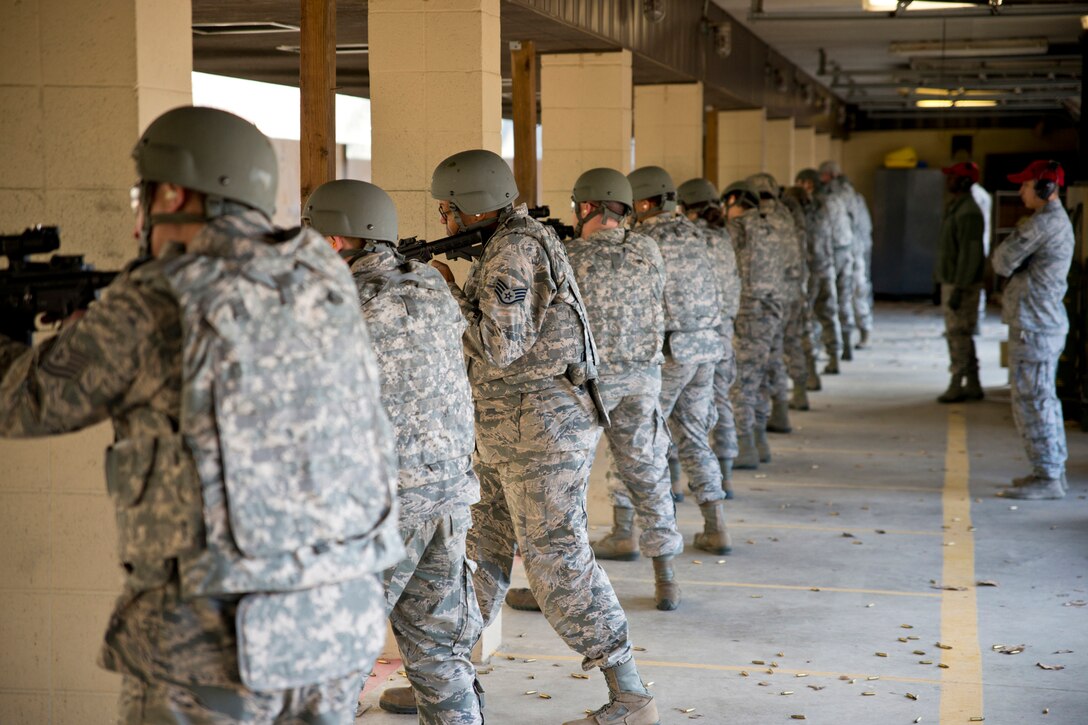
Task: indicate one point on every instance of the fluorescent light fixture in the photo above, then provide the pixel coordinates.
(969, 48)
(242, 28)
(957, 92)
(888, 6)
(949, 103)
(343, 49)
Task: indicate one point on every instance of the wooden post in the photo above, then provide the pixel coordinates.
(523, 77)
(710, 146)
(317, 87)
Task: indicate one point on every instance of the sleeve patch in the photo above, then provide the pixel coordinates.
(510, 295)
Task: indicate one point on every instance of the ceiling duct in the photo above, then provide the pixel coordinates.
(242, 28)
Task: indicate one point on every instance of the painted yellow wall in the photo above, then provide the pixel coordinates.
(863, 153)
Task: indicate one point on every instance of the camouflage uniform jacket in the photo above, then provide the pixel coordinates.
(788, 237)
(184, 612)
(692, 296)
(818, 234)
(1036, 259)
(622, 279)
(725, 266)
(416, 326)
(797, 211)
(762, 274)
(839, 205)
(861, 223)
(527, 324)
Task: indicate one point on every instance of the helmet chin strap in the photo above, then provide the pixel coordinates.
(601, 210)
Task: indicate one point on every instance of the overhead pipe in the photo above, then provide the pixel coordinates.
(758, 14)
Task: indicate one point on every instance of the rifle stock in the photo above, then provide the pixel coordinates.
(466, 245)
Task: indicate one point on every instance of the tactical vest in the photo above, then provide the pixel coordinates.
(416, 326)
(564, 344)
(276, 483)
(693, 302)
(623, 295)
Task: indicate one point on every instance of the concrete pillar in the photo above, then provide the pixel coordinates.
(78, 83)
(669, 128)
(585, 112)
(740, 144)
(822, 148)
(435, 89)
(804, 152)
(778, 149)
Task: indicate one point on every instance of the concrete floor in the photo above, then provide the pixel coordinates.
(841, 548)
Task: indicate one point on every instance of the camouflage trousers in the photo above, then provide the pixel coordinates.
(1033, 366)
(164, 703)
(432, 607)
(638, 476)
(534, 451)
(776, 384)
(758, 332)
(959, 330)
(863, 285)
(797, 342)
(687, 400)
(844, 287)
(824, 299)
(724, 440)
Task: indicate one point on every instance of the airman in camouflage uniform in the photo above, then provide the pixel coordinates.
(1036, 258)
(839, 202)
(959, 272)
(270, 613)
(763, 297)
(862, 229)
(693, 344)
(622, 278)
(416, 326)
(532, 364)
(699, 201)
(822, 293)
(789, 358)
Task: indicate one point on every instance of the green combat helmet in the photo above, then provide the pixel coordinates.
(474, 182)
(211, 151)
(350, 208)
(650, 182)
(764, 184)
(601, 185)
(809, 175)
(740, 192)
(697, 193)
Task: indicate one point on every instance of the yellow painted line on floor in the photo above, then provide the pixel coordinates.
(771, 484)
(784, 587)
(814, 527)
(961, 683)
(867, 452)
(753, 669)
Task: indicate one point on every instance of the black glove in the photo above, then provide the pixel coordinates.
(955, 299)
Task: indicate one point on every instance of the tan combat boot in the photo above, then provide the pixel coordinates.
(832, 364)
(714, 537)
(747, 456)
(666, 590)
(726, 464)
(799, 399)
(813, 383)
(398, 700)
(973, 389)
(620, 545)
(629, 702)
(863, 343)
(954, 394)
(779, 421)
(762, 446)
(522, 599)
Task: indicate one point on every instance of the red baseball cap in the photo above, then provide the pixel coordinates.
(1036, 170)
(964, 168)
